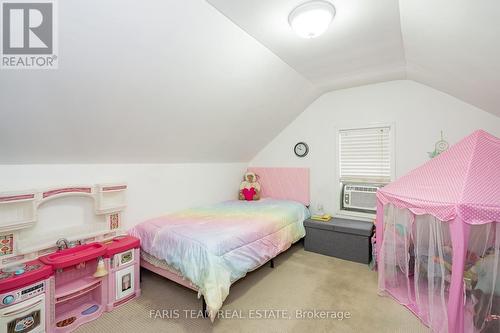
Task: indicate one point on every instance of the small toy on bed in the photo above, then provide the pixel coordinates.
(249, 187)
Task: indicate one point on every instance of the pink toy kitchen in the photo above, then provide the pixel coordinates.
(64, 257)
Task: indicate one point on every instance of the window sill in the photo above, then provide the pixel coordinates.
(359, 216)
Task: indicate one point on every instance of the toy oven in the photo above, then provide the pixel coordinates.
(124, 283)
(24, 317)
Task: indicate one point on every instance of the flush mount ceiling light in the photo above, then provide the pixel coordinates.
(311, 19)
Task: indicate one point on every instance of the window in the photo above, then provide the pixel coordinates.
(365, 155)
(365, 163)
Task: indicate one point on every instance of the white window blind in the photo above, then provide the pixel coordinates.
(365, 155)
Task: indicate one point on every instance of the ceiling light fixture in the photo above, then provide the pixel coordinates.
(311, 19)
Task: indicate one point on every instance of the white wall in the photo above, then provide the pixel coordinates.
(153, 189)
(418, 112)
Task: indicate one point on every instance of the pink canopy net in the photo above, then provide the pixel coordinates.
(438, 238)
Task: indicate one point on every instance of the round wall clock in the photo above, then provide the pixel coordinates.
(301, 149)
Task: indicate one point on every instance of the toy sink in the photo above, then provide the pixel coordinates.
(73, 256)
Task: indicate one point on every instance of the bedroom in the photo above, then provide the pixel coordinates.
(116, 114)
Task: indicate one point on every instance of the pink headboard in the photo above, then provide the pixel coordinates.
(284, 183)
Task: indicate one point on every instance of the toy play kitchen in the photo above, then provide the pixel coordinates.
(59, 269)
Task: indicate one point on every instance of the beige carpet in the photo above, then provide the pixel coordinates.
(300, 281)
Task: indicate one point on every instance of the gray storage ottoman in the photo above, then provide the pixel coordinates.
(341, 238)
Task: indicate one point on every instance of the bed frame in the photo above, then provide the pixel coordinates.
(278, 183)
(180, 280)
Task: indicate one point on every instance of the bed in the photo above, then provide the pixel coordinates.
(208, 248)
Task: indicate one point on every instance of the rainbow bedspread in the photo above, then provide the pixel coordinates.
(215, 245)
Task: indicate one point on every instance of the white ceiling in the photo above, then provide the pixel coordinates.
(177, 81)
(362, 45)
(148, 81)
(452, 45)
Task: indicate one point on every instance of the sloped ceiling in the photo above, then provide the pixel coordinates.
(363, 44)
(454, 46)
(451, 45)
(148, 81)
(197, 81)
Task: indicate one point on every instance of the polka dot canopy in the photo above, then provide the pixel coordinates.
(463, 181)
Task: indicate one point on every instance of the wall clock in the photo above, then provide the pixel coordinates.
(301, 149)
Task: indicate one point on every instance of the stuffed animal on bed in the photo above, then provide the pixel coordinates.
(249, 187)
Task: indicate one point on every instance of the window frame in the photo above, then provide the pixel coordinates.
(338, 194)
